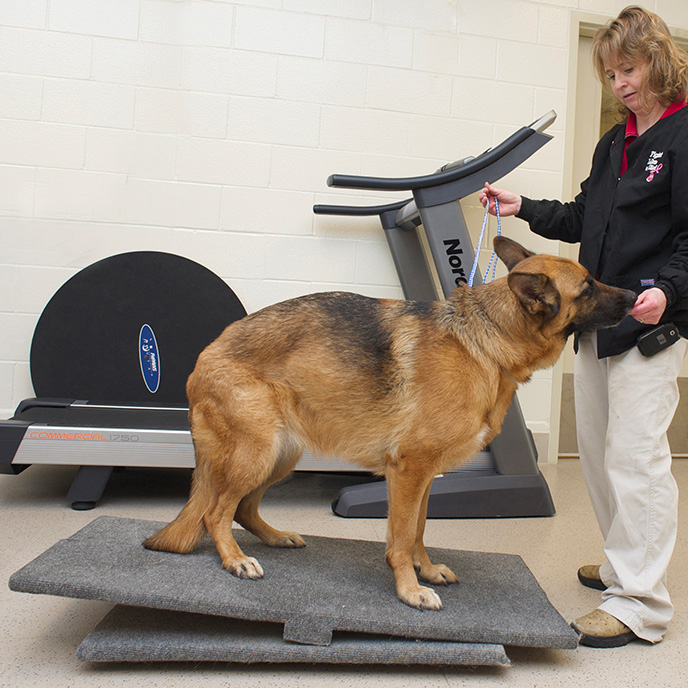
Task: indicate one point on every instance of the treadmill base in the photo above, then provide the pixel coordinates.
(463, 494)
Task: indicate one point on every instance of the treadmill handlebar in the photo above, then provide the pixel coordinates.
(541, 124)
(357, 210)
(448, 173)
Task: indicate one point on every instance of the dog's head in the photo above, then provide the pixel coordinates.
(560, 292)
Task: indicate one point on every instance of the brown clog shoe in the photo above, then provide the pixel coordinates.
(589, 576)
(600, 629)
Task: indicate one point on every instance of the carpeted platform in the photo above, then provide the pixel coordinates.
(134, 634)
(331, 585)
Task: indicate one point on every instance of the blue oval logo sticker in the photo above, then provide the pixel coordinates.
(149, 357)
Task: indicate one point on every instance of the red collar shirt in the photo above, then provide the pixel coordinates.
(632, 129)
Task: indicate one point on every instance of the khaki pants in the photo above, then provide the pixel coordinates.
(624, 405)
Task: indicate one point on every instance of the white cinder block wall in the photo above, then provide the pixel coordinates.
(208, 128)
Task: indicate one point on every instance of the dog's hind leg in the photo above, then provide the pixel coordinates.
(438, 574)
(218, 521)
(407, 487)
(241, 473)
(237, 461)
(247, 512)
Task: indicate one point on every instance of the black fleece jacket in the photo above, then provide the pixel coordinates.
(632, 228)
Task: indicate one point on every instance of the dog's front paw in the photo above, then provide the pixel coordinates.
(437, 574)
(248, 567)
(421, 598)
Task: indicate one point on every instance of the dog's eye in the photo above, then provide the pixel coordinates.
(588, 291)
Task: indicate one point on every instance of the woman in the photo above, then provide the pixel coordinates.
(631, 219)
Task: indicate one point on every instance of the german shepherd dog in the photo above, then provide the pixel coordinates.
(406, 389)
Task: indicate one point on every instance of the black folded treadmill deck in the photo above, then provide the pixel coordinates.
(129, 328)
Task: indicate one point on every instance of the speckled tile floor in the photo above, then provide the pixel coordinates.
(39, 634)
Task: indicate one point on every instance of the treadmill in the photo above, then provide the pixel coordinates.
(109, 360)
(504, 480)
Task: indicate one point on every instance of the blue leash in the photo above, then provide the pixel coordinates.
(492, 265)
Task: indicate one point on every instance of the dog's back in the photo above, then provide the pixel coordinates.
(341, 374)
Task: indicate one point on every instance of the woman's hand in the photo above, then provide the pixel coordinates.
(509, 203)
(649, 306)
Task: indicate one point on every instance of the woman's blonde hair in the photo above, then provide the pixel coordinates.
(638, 37)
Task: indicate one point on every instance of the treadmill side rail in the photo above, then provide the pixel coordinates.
(92, 446)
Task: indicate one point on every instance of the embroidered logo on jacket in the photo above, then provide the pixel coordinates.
(653, 165)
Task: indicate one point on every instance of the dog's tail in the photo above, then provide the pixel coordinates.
(185, 532)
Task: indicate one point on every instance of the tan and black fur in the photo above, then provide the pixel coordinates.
(405, 389)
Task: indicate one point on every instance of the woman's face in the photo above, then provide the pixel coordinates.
(627, 83)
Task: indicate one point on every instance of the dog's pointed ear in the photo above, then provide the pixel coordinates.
(536, 292)
(509, 251)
